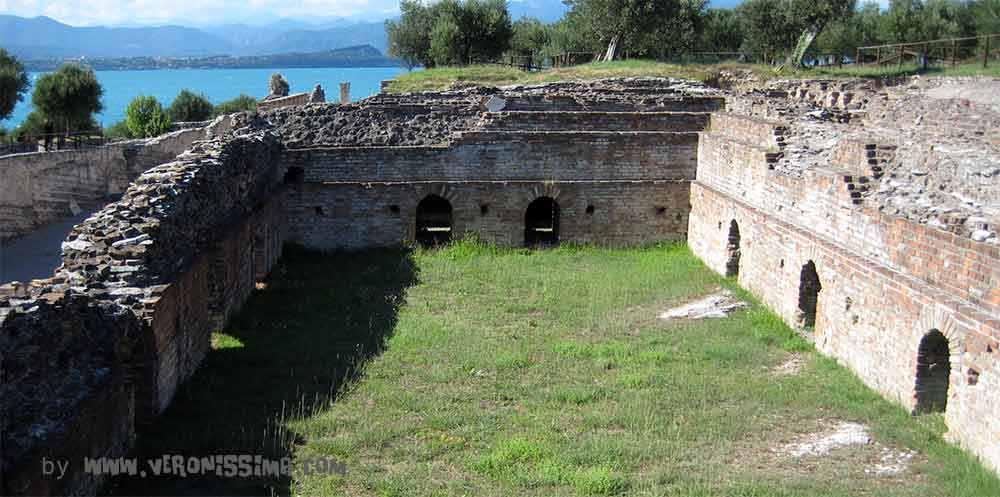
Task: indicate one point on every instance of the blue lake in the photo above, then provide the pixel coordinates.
(219, 85)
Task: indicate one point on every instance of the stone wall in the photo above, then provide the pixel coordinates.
(41, 187)
(153, 275)
(886, 282)
(509, 155)
(359, 215)
(65, 391)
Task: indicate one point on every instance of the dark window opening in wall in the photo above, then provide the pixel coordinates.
(809, 288)
(433, 221)
(295, 176)
(933, 370)
(319, 210)
(733, 250)
(541, 222)
(590, 209)
(484, 209)
(394, 209)
(661, 211)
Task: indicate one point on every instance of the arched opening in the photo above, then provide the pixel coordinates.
(433, 221)
(809, 288)
(541, 222)
(733, 250)
(294, 176)
(933, 369)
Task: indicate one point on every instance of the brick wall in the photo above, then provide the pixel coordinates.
(358, 215)
(501, 156)
(886, 282)
(176, 257)
(607, 121)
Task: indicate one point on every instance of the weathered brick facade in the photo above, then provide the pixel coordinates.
(886, 282)
(612, 187)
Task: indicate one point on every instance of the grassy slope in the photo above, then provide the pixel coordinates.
(440, 78)
(507, 372)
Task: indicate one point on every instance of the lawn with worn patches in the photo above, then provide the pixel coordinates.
(472, 370)
(440, 78)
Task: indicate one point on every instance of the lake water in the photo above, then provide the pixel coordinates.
(219, 85)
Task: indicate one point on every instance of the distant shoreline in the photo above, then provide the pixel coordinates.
(360, 56)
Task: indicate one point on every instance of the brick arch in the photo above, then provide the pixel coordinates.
(546, 190)
(940, 319)
(446, 192)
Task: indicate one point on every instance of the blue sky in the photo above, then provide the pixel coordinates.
(207, 12)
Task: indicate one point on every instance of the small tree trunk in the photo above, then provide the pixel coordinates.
(613, 47)
(802, 46)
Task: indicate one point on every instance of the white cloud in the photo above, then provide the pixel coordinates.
(117, 12)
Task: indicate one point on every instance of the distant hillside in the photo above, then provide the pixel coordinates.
(257, 40)
(360, 56)
(42, 37)
(45, 38)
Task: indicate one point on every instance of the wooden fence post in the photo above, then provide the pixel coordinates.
(902, 51)
(986, 53)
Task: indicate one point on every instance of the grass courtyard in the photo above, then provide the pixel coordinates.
(493, 75)
(479, 371)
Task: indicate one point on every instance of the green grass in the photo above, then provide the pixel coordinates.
(444, 77)
(473, 370)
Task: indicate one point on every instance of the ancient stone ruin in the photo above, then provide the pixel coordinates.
(864, 213)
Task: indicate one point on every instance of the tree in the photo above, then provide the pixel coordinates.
(987, 16)
(766, 30)
(813, 16)
(144, 117)
(617, 23)
(675, 35)
(721, 31)
(278, 85)
(450, 31)
(242, 103)
(409, 38)
(190, 106)
(863, 27)
(530, 37)
(68, 98)
(13, 83)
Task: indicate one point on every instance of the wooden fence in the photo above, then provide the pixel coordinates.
(949, 51)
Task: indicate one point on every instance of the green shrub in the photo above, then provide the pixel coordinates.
(190, 106)
(118, 130)
(242, 103)
(145, 117)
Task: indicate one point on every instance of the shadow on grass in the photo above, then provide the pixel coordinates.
(296, 345)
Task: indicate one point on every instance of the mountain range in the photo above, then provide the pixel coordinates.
(45, 38)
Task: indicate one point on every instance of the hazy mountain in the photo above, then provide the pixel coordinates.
(44, 37)
(303, 40)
